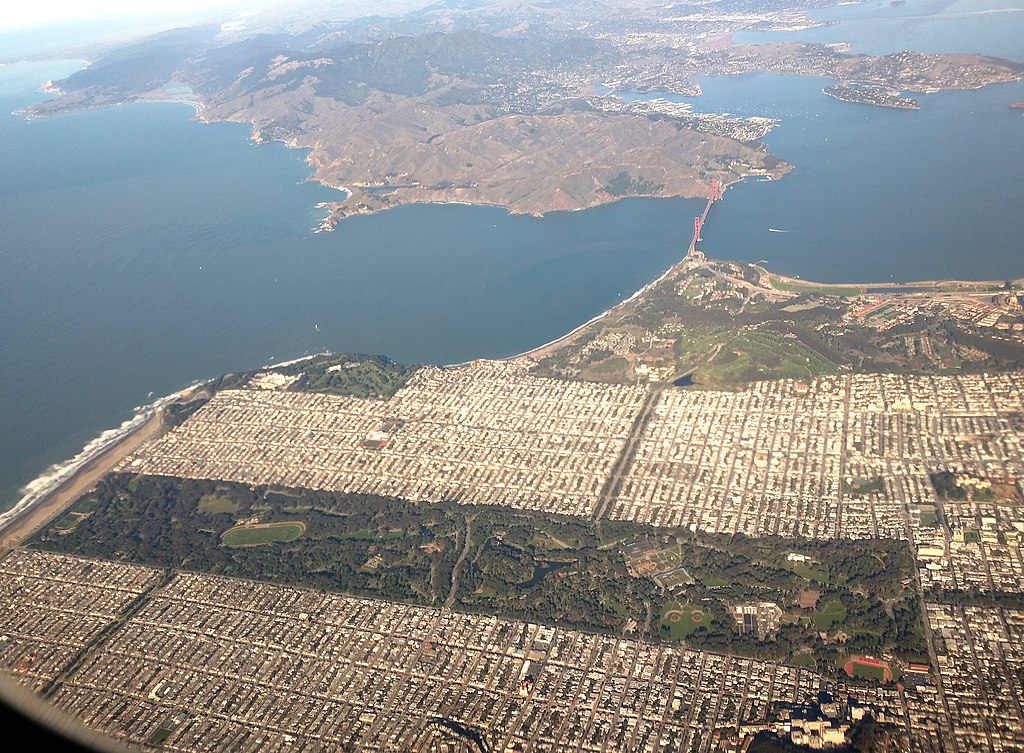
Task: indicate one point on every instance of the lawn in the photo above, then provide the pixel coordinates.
(265, 533)
(68, 521)
(543, 540)
(761, 354)
(829, 614)
(611, 365)
(714, 581)
(683, 619)
(811, 572)
(87, 504)
(803, 660)
(161, 734)
(929, 515)
(211, 504)
(865, 485)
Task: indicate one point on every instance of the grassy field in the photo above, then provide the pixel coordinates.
(804, 660)
(611, 365)
(86, 504)
(682, 619)
(547, 540)
(864, 485)
(810, 572)
(761, 354)
(929, 515)
(714, 581)
(67, 521)
(829, 614)
(797, 286)
(266, 533)
(161, 734)
(211, 504)
(70, 521)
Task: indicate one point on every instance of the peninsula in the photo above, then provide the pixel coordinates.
(787, 532)
(512, 119)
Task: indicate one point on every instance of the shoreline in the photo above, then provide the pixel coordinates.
(57, 487)
(336, 210)
(336, 215)
(51, 503)
(895, 286)
(51, 489)
(982, 287)
(51, 493)
(534, 352)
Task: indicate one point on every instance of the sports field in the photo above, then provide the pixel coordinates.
(263, 533)
(869, 669)
(683, 619)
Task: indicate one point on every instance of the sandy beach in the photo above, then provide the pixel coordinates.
(978, 285)
(61, 498)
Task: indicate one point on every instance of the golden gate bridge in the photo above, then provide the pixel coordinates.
(698, 222)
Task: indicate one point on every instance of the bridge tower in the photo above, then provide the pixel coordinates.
(698, 223)
(715, 190)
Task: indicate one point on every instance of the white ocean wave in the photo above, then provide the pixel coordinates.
(56, 475)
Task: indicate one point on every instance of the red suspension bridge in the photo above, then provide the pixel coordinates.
(698, 222)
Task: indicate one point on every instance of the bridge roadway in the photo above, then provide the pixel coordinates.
(697, 226)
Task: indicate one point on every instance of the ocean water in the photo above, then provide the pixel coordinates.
(142, 250)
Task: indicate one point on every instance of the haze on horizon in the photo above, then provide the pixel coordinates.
(29, 16)
(63, 13)
(66, 29)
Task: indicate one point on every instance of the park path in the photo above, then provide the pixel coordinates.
(458, 563)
